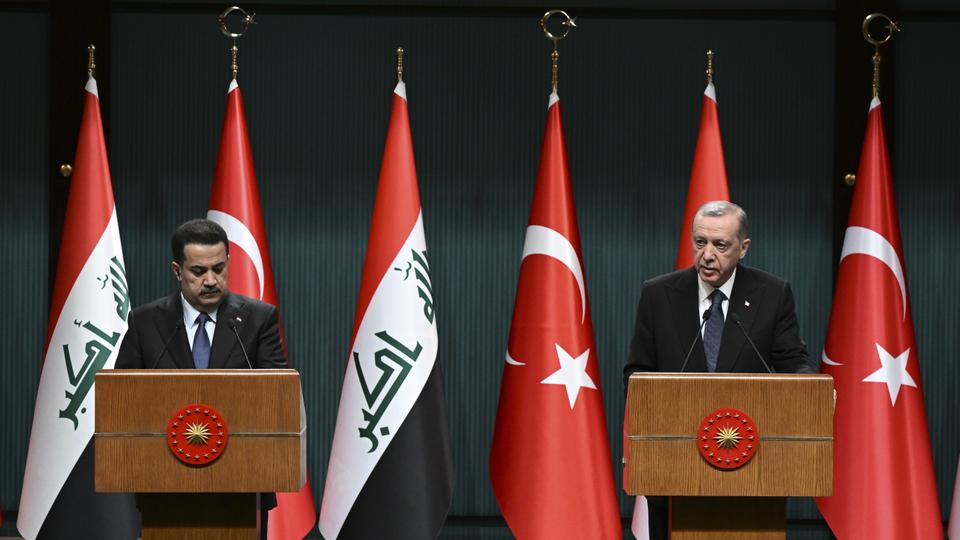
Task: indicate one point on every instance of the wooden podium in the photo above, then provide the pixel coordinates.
(265, 450)
(793, 415)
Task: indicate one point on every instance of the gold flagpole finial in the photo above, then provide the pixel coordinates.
(569, 22)
(399, 64)
(246, 20)
(91, 61)
(710, 66)
(891, 27)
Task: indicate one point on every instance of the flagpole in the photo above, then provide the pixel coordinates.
(891, 27)
(399, 64)
(709, 66)
(91, 61)
(570, 23)
(246, 21)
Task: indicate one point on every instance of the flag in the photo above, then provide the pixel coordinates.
(708, 179)
(88, 318)
(391, 472)
(953, 529)
(708, 182)
(550, 461)
(883, 480)
(235, 206)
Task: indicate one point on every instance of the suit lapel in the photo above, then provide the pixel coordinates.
(683, 302)
(223, 338)
(169, 319)
(744, 301)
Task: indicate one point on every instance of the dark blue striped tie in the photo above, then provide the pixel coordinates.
(201, 343)
(713, 330)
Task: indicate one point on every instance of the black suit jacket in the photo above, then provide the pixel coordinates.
(160, 322)
(667, 324)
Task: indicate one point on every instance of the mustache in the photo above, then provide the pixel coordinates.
(210, 290)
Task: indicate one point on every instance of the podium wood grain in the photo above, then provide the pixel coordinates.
(794, 418)
(266, 450)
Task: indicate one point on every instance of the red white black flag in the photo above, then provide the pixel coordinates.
(391, 472)
(88, 318)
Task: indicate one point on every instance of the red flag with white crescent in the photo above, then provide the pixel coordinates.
(883, 479)
(235, 206)
(708, 182)
(550, 461)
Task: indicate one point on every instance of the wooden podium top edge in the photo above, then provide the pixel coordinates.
(195, 372)
(743, 376)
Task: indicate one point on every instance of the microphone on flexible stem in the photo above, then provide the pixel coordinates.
(706, 315)
(233, 326)
(736, 320)
(166, 344)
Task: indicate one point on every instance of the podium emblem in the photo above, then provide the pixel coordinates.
(727, 438)
(197, 434)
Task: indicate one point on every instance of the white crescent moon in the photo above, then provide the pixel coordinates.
(863, 241)
(239, 234)
(546, 241)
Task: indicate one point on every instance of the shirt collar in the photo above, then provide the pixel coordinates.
(191, 313)
(705, 289)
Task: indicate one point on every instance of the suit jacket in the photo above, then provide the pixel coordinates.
(160, 323)
(667, 324)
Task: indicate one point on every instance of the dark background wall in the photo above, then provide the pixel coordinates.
(793, 87)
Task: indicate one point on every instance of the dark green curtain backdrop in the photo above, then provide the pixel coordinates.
(23, 222)
(317, 89)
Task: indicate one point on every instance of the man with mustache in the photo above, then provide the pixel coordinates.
(198, 326)
(673, 306)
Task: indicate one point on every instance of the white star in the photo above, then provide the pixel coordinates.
(892, 372)
(572, 374)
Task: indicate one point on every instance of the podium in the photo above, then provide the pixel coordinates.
(668, 418)
(262, 432)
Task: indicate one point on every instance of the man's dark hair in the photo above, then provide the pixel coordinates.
(197, 231)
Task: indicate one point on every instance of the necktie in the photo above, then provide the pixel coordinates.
(713, 330)
(201, 343)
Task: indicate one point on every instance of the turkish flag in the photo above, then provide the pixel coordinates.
(708, 182)
(550, 461)
(708, 179)
(235, 206)
(883, 480)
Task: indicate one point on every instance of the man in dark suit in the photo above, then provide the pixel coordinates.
(202, 325)
(166, 332)
(730, 300)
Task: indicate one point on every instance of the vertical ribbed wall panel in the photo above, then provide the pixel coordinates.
(317, 104)
(924, 151)
(23, 222)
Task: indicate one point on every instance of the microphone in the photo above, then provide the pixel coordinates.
(166, 344)
(233, 326)
(706, 315)
(736, 320)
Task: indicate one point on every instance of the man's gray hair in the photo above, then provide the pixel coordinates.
(722, 208)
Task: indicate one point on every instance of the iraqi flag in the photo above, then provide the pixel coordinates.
(883, 481)
(88, 318)
(708, 182)
(235, 206)
(550, 462)
(391, 472)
